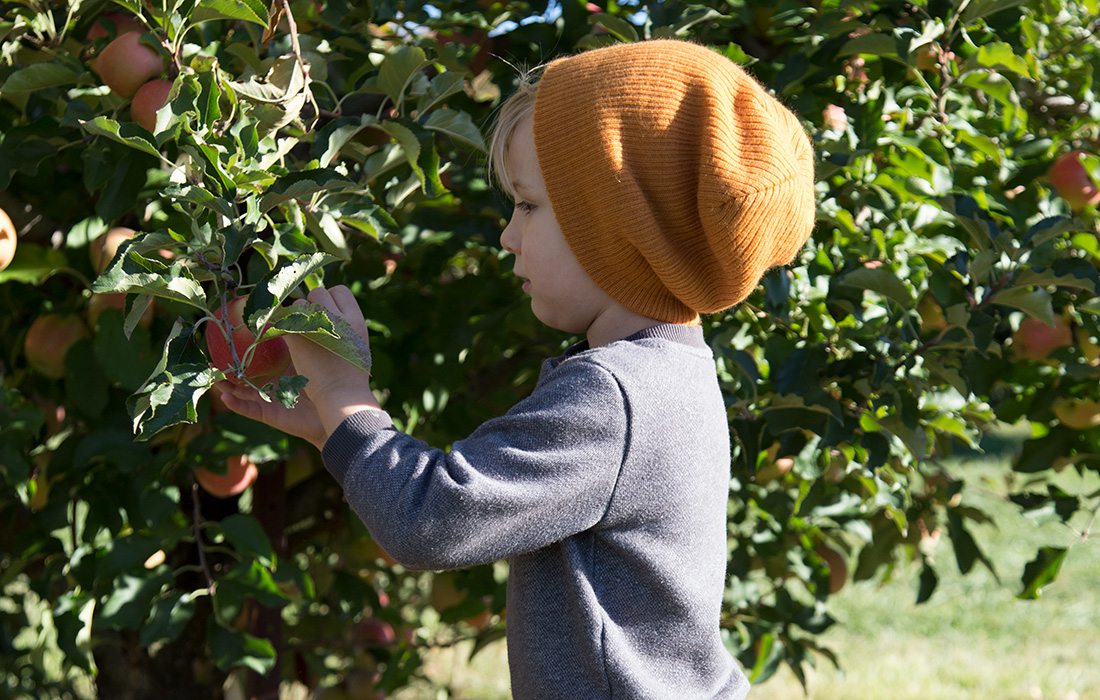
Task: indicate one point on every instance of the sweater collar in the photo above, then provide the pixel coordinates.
(692, 336)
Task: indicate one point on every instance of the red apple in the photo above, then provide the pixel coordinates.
(270, 360)
(103, 249)
(835, 117)
(372, 632)
(1035, 340)
(838, 567)
(49, 339)
(1072, 182)
(117, 301)
(147, 100)
(113, 24)
(240, 472)
(1078, 414)
(126, 64)
(7, 239)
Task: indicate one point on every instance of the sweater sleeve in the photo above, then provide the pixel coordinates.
(543, 471)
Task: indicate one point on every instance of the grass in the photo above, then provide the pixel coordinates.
(973, 640)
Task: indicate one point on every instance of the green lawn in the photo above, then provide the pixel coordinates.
(972, 640)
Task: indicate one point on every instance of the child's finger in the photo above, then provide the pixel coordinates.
(347, 305)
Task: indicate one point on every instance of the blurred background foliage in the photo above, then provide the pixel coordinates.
(948, 292)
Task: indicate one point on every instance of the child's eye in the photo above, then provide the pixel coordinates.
(525, 206)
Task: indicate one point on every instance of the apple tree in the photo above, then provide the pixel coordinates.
(177, 172)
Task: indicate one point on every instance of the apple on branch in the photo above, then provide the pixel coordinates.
(48, 341)
(1072, 181)
(240, 473)
(149, 98)
(270, 359)
(1035, 340)
(7, 239)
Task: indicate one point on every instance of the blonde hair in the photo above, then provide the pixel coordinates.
(519, 105)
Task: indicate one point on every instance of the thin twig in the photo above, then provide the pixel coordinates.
(297, 49)
(195, 523)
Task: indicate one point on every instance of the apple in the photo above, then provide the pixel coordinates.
(7, 239)
(49, 339)
(1034, 340)
(1078, 414)
(126, 64)
(1090, 349)
(147, 100)
(445, 594)
(240, 472)
(835, 117)
(113, 24)
(931, 314)
(102, 250)
(838, 567)
(1072, 182)
(117, 301)
(270, 360)
(773, 468)
(372, 632)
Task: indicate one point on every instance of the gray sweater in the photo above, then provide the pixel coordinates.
(605, 490)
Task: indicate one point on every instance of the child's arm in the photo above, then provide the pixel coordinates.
(542, 472)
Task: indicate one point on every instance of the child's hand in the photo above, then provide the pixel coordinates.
(336, 389)
(302, 420)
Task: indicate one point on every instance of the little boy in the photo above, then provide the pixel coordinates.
(652, 182)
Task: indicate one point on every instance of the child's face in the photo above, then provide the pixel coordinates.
(563, 296)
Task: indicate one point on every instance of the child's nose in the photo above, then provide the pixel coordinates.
(509, 239)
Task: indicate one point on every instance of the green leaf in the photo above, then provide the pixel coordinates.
(73, 617)
(202, 197)
(126, 361)
(125, 133)
(170, 393)
(457, 125)
(248, 538)
(33, 264)
(875, 43)
(440, 88)
(983, 8)
(168, 617)
(230, 649)
(398, 68)
(276, 287)
(85, 384)
(1041, 571)
(418, 146)
(326, 229)
(617, 26)
(39, 76)
(881, 280)
(314, 323)
(928, 582)
(999, 54)
(1036, 303)
(302, 184)
(128, 604)
(248, 10)
(131, 271)
(336, 134)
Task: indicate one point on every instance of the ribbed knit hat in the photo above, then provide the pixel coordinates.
(677, 180)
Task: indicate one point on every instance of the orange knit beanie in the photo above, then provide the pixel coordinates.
(677, 180)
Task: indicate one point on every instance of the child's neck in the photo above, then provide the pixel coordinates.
(615, 323)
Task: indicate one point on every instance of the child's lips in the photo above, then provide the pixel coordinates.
(526, 285)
